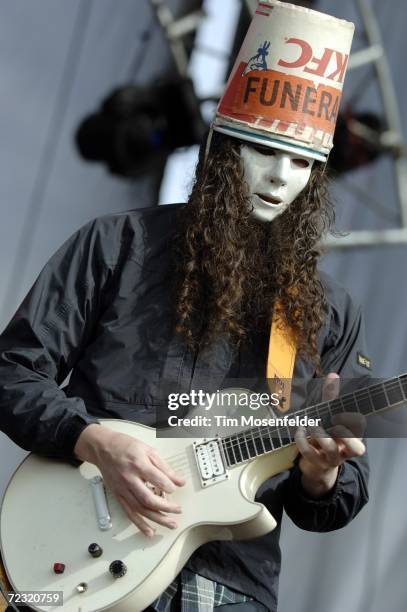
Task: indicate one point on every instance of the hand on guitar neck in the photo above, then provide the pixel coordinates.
(323, 452)
(131, 470)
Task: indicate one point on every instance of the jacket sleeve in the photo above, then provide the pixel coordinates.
(44, 340)
(343, 346)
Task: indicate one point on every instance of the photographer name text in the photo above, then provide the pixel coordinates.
(242, 421)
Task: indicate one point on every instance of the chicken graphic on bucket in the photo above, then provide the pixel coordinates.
(258, 61)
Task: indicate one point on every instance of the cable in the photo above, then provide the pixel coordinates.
(36, 200)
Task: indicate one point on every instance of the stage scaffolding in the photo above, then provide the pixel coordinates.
(391, 140)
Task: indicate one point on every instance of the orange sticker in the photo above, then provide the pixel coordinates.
(274, 101)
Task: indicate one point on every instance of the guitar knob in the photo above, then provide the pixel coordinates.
(117, 569)
(95, 550)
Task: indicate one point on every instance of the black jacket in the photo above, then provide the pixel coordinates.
(101, 310)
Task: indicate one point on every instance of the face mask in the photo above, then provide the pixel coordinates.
(274, 177)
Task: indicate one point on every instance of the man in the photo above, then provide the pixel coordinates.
(186, 294)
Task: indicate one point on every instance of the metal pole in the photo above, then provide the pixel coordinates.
(165, 19)
(365, 238)
(389, 99)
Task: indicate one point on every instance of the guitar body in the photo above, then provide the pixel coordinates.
(48, 515)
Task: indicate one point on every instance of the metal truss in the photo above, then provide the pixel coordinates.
(391, 140)
(175, 30)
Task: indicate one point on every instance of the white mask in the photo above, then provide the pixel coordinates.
(274, 177)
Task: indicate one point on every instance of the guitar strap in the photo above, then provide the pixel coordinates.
(280, 361)
(5, 585)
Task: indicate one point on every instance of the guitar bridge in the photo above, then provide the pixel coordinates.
(210, 461)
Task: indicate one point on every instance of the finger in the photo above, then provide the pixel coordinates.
(350, 445)
(305, 448)
(167, 469)
(351, 420)
(135, 518)
(330, 390)
(157, 478)
(161, 519)
(318, 433)
(354, 447)
(323, 442)
(331, 451)
(148, 500)
(157, 517)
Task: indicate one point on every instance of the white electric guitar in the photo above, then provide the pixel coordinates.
(53, 513)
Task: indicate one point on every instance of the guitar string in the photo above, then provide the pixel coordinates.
(254, 435)
(182, 464)
(323, 409)
(238, 451)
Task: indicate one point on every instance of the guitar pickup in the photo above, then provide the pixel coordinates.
(210, 462)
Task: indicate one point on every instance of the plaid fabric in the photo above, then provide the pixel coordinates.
(198, 594)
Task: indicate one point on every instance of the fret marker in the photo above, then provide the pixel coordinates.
(364, 361)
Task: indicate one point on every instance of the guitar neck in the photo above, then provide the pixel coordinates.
(257, 441)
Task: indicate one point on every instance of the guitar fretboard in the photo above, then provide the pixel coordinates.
(257, 441)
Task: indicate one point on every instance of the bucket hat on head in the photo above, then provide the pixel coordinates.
(285, 87)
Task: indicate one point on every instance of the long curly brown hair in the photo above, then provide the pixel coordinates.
(232, 269)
